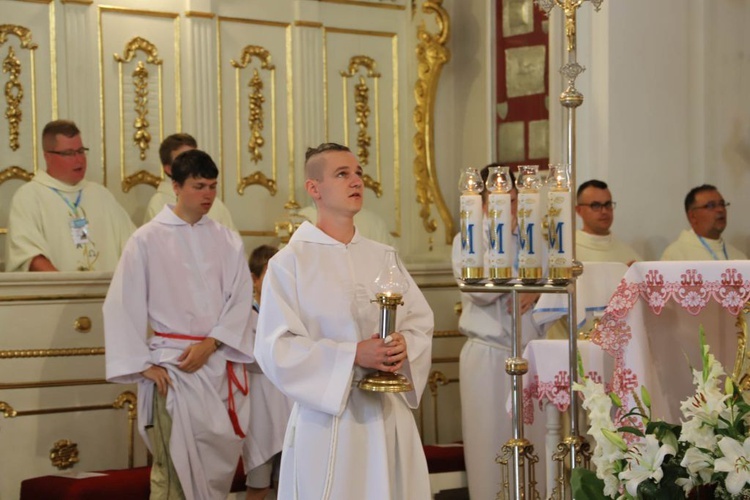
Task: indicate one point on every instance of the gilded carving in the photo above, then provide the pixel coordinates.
(140, 177)
(141, 126)
(8, 411)
(362, 113)
(13, 87)
(141, 136)
(432, 54)
(64, 454)
(255, 117)
(256, 100)
(15, 172)
(13, 97)
(51, 353)
(129, 400)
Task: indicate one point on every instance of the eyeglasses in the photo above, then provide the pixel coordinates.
(712, 205)
(597, 207)
(69, 153)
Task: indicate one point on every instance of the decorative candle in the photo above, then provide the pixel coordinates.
(499, 186)
(472, 242)
(560, 229)
(529, 224)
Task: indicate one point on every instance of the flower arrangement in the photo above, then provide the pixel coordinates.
(709, 450)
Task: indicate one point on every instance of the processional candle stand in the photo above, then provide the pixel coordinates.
(500, 258)
(574, 449)
(391, 285)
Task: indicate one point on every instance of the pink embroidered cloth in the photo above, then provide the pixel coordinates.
(650, 326)
(548, 379)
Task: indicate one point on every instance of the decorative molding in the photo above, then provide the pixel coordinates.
(308, 24)
(255, 101)
(360, 3)
(141, 135)
(51, 353)
(15, 172)
(52, 383)
(14, 94)
(202, 15)
(49, 298)
(432, 54)
(64, 454)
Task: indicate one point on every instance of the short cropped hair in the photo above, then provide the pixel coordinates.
(259, 259)
(690, 198)
(68, 128)
(193, 163)
(311, 164)
(173, 143)
(594, 183)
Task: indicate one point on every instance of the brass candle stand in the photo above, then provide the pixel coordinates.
(381, 381)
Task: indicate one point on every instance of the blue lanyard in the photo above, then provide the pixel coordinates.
(715, 257)
(73, 207)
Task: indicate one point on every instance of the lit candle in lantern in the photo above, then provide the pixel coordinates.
(529, 224)
(560, 230)
(472, 242)
(499, 186)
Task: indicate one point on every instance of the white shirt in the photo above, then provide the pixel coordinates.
(597, 248)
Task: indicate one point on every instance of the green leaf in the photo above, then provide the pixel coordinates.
(646, 397)
(581, 373)
(615, 399)
(615, 439)
(585, 485)
(631, 430)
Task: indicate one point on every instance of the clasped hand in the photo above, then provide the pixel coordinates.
(191, 360)
(375, 353)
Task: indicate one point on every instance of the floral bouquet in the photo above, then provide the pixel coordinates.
(651, 459)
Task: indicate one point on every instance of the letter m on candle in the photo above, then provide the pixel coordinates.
(527, 240)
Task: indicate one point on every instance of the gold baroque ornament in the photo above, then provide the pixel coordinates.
(432, 54)
(64, 454)
(13, 96)
(256, 100)
(15, 172)
(362, 113)
(141, 135)
(13, 87)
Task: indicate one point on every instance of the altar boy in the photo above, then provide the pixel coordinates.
(185, 276)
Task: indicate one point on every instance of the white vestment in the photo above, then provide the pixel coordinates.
(40, 224)
(689, 246)
(368, 223)
(164, 196)
(269, 415)
(341, 442)
(188, 280)
(596, 248)
(484, 383)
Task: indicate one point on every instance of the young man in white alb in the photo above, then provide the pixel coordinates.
(185, 276)
(317, 337)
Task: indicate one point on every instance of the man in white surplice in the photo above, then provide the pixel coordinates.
(185, 275)
(706, 212)
(60, 221)
(316, 337)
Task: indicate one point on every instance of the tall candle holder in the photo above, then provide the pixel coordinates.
(529, 224)
(472, 239)
(391, 285)
(500, 262)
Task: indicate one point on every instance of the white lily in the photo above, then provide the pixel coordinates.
(735, 462)
(644, 462)
(698, 464)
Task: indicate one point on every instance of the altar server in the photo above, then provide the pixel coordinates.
(169, 149)
(706, 212)
(485, 386)
(59, 221)
(185, 276)
(269, 408)
(317, 337)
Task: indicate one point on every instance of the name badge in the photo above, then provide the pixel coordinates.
(79, 229)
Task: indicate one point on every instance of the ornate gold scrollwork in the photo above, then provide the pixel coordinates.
(432, 54)
(256, 100)
(129, 400)
(14, 94)
(51, 353)
(362, 114)
(141, 135)
(64, 454)
(15, 172)
(8, 411)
